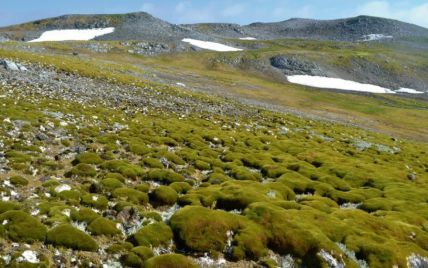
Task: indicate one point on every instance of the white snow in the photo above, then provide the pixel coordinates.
(62, 188)
(28, 256)
(409, 90)
(73, 34)
(336, 83)
(374, 37)
(247, 38)
(210, 45)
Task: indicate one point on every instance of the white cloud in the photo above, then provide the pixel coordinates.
(413, 14)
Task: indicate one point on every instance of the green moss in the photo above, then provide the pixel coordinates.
(164, 195)
(217, 178)
(204, 230)
(119, 248)
(94, 200)
(131, 195)
(169, 260)
(152, 163)
(181, 187)
(132, 260)
(83, 215)
(103, 226)
(110, 184)
(164, 175)
(18, 181)
(83, 170)
(21, 227)
(154, 235)
(116, 176)
(202, 165)
(143, 252)
(6, 206)
(72, 196)
(124, 168)
(88, 158)
(67, 236)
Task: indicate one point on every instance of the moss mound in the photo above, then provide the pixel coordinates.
(103, 226)
(18, 181)
(88, 158)
(163, 195)
(131, 195)
(169, 261)
(67, 236)
(21, 227)
(154, 235)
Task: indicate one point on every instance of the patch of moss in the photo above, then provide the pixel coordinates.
(83, 215)
(67, 236)
(143, 252)
(103, 226)
(169, 260)
(181, 187)
(21, 227)
(153, 235)
(6, 206)
(131, 195)
(18, 181)
(88, 158)
(95, 200)
(152, 163)
(163, 195)
(83, 170)
(110, 184)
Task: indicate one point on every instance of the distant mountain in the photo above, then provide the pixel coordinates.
(143, 26)
(350, 29)
(132, 26)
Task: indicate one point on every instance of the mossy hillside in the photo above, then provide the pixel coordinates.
(298, 204)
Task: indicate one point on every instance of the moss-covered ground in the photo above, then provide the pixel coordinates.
(243, 188)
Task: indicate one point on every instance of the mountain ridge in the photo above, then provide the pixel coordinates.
(142, 26)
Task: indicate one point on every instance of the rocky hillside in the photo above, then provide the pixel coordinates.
(362, 28)
(132, 26)
(143, 26)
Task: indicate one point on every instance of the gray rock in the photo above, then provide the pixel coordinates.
(293, 66)
(9, 65)
(12, 66)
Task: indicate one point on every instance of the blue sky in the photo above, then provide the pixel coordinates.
(237, 11)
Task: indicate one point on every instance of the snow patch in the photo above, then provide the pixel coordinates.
(248, 38)
(336, 83)
(62, 188)
(210, 45)
(409, 90)
(73, 34)
(28, 256)
(375, 37)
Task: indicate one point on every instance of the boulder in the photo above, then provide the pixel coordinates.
(12, 66)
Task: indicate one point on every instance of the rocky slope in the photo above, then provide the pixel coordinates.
(99, 170)
(143, 26)
(132, 26)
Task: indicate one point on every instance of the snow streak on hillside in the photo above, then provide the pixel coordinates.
(335, 83)
(73, 35)
(210, 45)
